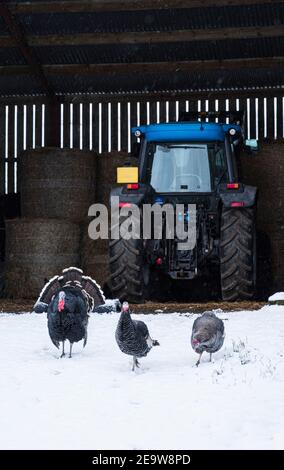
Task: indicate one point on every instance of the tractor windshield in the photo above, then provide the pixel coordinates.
(178, 167)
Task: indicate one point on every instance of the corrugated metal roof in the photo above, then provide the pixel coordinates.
(178, 51)
(151, 20)
(178, 81)
(127, 53)
(11, 56)
(148, 82)
(202, 18)
(19, 85)
(3, 28)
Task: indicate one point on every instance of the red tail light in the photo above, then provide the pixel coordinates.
(237, 204)
(133, 186)
(233, 186)
(124, 204)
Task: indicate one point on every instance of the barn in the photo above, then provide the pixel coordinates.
(76, 76)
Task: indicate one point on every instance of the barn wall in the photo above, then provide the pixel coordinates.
(266, 171)
(104, 125)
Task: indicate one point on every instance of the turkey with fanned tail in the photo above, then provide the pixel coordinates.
(67, 317)
(132, 336)
(68, 299)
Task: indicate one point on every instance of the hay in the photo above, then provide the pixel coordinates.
(107, 164)
(38, 249)
(58, 186)
(57, 183)
(94, 256)
(277, 250)
(94, 253)
(98, 269)
(266, 171)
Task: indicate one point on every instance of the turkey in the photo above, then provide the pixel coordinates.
(207, 334)
(133, 336)
(67, 317)
(68, 299)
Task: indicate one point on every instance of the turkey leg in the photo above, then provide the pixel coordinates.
(198, 362)
(135, 363)
(63, 353)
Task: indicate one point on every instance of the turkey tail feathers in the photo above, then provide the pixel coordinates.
(71, 274)
(49, 290)
(93, 290)
(72, 277)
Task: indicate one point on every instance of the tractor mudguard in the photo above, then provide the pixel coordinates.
(248, 196)
(135, 197)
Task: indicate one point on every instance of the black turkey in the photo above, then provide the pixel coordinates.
(132, 336)
(67, 317)
(68, 299)
(207, 334)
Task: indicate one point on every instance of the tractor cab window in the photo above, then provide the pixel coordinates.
(178, 167)
(218, 164)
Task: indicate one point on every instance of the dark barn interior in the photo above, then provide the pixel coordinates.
(76, 75)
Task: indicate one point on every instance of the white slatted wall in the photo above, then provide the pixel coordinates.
(106, 126)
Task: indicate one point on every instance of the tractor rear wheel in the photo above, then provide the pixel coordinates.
(238, 254)
(129, 271)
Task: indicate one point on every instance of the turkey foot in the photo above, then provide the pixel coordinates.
(135, 363)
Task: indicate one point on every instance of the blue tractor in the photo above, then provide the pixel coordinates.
(193, 162)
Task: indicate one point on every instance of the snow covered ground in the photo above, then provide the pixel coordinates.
(94, 401)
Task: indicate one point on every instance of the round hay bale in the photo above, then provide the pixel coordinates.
(57, 183)
(266, 171)
(98, 269)
(94, 257)
(107, 165)
(38, 249)
(94, 253)
(277, 249)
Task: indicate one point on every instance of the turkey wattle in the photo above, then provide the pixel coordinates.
(132, 336)
(207, 334)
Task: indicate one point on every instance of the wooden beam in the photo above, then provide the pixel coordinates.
(151, 67)
(96, 39)
(167, 67)
(121, 5)
(255, 92)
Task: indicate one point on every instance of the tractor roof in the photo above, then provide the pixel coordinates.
(185, 131)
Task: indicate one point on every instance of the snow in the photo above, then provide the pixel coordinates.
(94, 401)
(277, 296)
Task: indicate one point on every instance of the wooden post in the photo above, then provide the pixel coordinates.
(53, 123)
